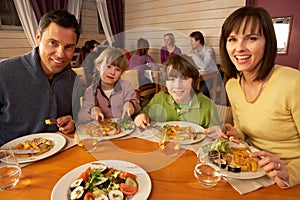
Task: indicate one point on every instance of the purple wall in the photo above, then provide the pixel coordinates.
(283, 8)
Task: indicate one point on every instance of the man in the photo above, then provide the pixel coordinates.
(39, 85)
(202, 54)
(204, 58)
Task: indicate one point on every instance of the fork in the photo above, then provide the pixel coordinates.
(196, 133)
(50, 121)
(157, 127)
(232, 139)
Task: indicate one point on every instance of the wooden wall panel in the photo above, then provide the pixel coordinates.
(89, 23)
(13, 43)
(151, 19)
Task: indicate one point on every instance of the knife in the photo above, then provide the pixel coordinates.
(25, 151)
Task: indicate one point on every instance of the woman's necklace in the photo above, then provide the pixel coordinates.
(258, 94)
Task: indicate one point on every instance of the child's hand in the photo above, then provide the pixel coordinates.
(142, 120)
(128, 109)
(96, 113)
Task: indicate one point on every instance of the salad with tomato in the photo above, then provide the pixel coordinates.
(100, 182)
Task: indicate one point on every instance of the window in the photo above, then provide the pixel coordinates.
(100, 27)
(9, 18)
(282, 30)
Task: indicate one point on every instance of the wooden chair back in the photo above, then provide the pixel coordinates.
(224, 114)
(131, 76)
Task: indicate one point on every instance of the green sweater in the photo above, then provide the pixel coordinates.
(201, 110)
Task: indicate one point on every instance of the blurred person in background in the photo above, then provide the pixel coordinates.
(169, 48)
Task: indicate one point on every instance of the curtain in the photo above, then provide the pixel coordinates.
(28, 20)
(41, 7)
(74, 7)
(103, 13)
(115, 14)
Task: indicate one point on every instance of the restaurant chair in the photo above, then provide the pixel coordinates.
(224, 114)
(81, 74)
(132, 77)
(144, 92)
(75, 58)
(209, 75)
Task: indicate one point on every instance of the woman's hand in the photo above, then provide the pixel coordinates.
(273, 166)
(66, 124)
(97, 114)
(213, 132)
(128, 109)
(142, 120)
(229, 131)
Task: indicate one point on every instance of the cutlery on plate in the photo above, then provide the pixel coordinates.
(238, 141)
(157, 127)
(23, 151)
(50, 121)
(196, 133)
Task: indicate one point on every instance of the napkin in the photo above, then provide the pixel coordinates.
(250, 185)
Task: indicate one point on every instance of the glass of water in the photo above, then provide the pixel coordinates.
(10, 170)
(208, 168)
(85, 139)
(169, 146)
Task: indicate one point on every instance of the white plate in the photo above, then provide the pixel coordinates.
(59, 143)
(61, 189)
(243, 175)
(121, 134)
(196, 127)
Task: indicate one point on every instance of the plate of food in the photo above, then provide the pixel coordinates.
(235, 160)
(185, 132)
(46, 144)
(103, 179)
(109, 128)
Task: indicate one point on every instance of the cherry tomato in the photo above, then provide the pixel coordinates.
(126, 174)
(128, 189)
(85, 175)
(110, 171)
(88, 196)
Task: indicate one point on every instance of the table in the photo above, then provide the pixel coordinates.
(175, 181)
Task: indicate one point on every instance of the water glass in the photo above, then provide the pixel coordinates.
(208, 168)
(169, 146)
(85, 140)
(10, 171)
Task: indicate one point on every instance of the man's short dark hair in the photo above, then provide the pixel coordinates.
(62, 18)
(198, 36)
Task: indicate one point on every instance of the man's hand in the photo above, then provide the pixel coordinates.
(66, 124)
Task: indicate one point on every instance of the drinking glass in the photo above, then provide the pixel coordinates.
(10, 171)
(85, 140)
(207, 170)
(169, 146)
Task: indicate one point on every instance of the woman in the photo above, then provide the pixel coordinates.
(169, 48)
(142, 61)
(108, 96)
(264, 96)
(182, 101)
